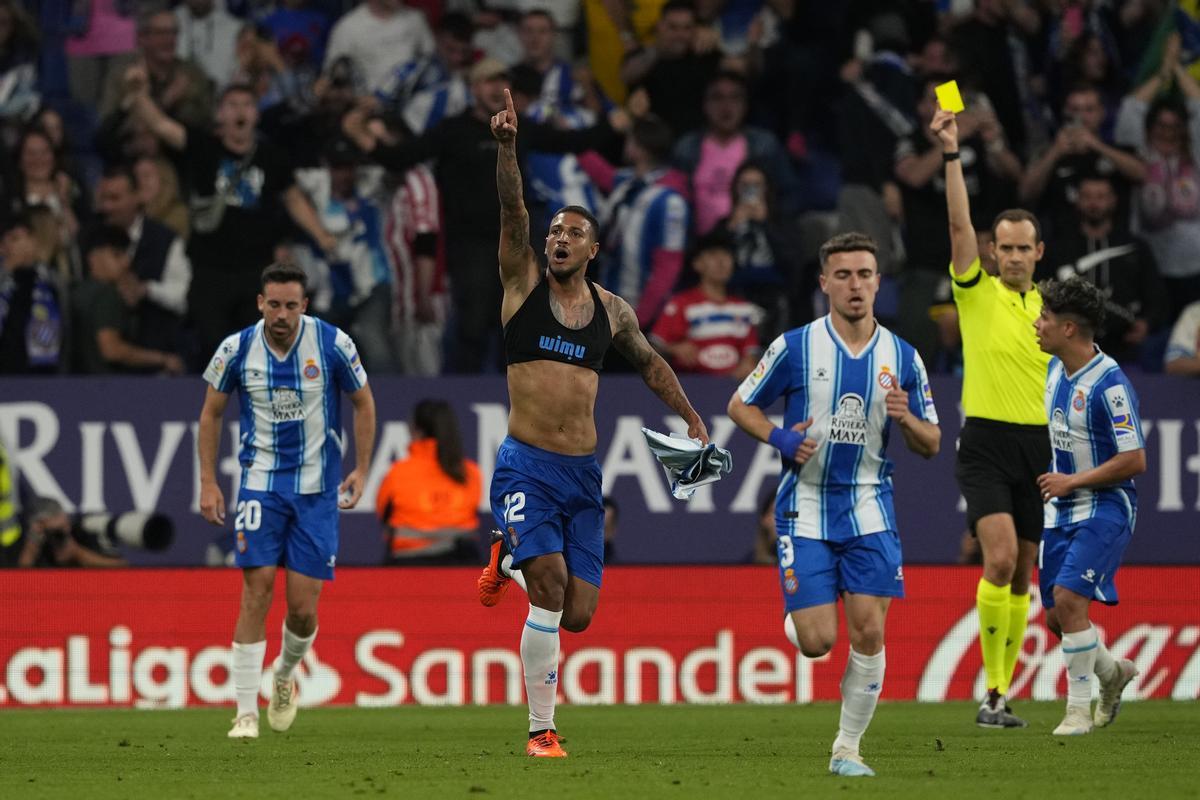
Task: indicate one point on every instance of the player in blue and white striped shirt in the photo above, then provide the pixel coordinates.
(1091, 504)
(290, 370)
(845, 380)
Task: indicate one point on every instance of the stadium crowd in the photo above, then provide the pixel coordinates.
(155, 158)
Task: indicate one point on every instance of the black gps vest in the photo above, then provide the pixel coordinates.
(533, 334)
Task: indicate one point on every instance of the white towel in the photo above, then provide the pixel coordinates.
(688, 463)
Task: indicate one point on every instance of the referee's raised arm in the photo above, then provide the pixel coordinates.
(964, 247)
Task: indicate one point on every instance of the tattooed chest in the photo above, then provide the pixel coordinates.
(575, 314)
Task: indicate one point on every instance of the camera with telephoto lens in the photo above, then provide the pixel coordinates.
(141, 529)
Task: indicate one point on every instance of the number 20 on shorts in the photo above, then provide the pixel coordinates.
(249, 516)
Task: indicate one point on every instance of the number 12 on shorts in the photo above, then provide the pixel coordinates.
(514, 504)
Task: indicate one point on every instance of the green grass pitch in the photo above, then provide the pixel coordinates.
(1152, 752)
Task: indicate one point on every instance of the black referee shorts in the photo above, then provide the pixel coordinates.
(997, 469)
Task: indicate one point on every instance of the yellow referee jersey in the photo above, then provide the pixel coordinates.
(1004, 370)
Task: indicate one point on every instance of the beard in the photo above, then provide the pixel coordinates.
(564, 272)
(280, 335)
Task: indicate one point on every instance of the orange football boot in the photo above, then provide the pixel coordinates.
(545, 745)
(492, 583)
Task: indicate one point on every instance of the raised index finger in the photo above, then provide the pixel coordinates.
(508, 103)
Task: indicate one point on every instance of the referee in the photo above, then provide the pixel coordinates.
(1004, 444)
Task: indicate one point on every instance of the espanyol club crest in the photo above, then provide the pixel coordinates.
(1078, 401)
(887, 378)
(790, 584)
(311, 370)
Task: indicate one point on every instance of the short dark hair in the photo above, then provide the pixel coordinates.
(714, 240)
(1163, 105)
(538, 12)
(526, 82)
(1083, 87)
(284, 273)
(850, 242)
(588, 215)
(120, 169)
(1018, 215)
(678, 5)
(1094, 175)
(456, 25)
(236, 88)
(1076, 298)
(149, 11)
(728, 76)
(653, 135)
(107, 237)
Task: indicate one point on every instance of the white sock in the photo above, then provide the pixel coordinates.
(1079, 651)
(539, 657)
(861, 685)
(1105, 663)
(789, 630)
(292, 652)
(515, 574)
(247, 675)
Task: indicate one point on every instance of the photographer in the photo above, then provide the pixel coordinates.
(51, 540)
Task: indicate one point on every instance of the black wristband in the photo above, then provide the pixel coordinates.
(948, 157)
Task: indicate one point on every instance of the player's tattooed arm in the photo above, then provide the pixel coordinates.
(655, 371)
(515, 252)
(514, 219)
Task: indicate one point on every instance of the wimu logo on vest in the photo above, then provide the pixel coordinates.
(557, 344)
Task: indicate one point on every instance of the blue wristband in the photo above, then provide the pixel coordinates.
(786, 441)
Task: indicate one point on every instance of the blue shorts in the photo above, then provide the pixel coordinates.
(1083, 557)
(297, 531)
(813, 572)
(550, 503)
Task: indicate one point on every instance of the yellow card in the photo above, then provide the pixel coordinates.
(949, 98)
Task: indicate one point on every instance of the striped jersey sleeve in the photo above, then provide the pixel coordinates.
(674, 222)
(222, 370)
(1119, 416)
(421, 199)
(347, 366)
(916, 383)
(770, 379)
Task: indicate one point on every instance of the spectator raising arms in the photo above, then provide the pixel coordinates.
(675, 70)
(1167, 137)
(178, 87)
(239, 190)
